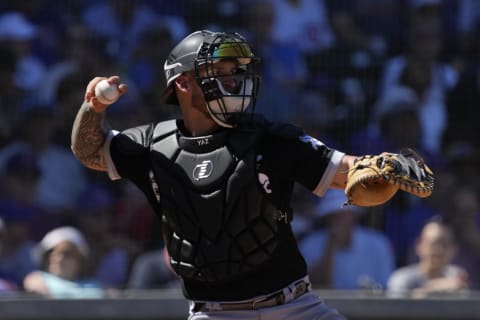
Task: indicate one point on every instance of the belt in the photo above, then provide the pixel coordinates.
(283, 296)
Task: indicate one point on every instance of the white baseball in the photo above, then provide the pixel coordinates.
(106, 93)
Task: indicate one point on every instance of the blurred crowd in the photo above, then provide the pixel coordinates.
(363, 76)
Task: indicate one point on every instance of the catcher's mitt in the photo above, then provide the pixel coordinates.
(373, 180)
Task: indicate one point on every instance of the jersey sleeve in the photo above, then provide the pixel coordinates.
(297, 156)
(127, 152)
(315, 164)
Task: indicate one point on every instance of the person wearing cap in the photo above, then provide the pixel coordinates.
(63, 255)
(395, 122)
(342, 254)
(220, 178)
(18, 33)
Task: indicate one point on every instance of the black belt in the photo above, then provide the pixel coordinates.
(299, 288)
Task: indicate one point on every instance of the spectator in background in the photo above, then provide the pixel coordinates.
(304, 22)
(49, 19)
(339, 255)
(395, 124)
(5, 129)
(461, 139)
(17, 33)
(18, 192)
(468, 23)
(79, 53)
(123, 22)
(214, 14)
(434, 273)
(371, 27)
(152, 270)
(304, 203)
(367, 32)
(62, 179)
(16, 243)
(63, 255)
(7, 284)
(146, 72)
(284, 72)
(67, 90)
(315, 111)
(25, 223)
(462, 212)
(134, 217)
(146, 63)
(82, 55)
(111, 253)
(10, 95)
(420, 67)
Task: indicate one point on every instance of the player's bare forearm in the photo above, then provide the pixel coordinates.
(88, 138)
(340, 179)
(89, 133)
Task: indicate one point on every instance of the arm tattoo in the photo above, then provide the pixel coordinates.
(88, 138)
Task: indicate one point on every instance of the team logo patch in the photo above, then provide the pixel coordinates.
(309, 139)
(265, 182)
(203, 170)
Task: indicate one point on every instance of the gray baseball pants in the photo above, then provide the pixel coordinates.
(306, 307)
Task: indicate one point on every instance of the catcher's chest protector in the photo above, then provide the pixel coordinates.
(217, 222)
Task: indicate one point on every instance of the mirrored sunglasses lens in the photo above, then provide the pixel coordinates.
(232, 50)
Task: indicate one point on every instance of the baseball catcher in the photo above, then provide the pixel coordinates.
(221, 178)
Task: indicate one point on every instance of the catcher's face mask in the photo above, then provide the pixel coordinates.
(226, 72)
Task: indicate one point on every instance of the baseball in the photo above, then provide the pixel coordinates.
(106, 93)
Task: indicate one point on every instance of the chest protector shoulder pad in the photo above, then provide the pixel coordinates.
(217, 222)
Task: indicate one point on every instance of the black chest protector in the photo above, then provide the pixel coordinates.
(218, 223)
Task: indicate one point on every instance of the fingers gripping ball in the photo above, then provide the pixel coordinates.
(373, 180)
(106, 93)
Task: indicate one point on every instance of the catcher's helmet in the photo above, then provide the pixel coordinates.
(205, 48)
